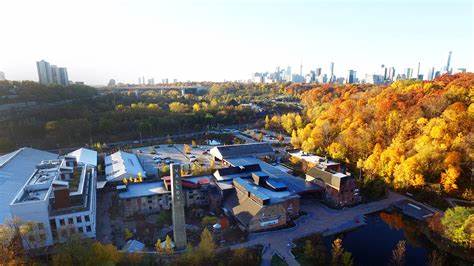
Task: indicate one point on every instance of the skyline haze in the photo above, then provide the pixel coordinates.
(215, 41)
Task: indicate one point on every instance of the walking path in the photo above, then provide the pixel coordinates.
(319, 219)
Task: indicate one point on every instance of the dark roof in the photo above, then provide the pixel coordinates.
(329, 178)
(243, 208)
(230, 151)
(238, 169)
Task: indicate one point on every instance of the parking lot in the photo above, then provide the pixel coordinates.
(153, 158)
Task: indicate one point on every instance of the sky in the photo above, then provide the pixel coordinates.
(217, 40)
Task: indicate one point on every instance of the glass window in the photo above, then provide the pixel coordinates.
(81, 229)
(87, 218)
(62, 222)
(70, 221)
(40, 226)
(88, 228)
(79, 219)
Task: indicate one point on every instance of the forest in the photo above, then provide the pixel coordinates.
(410, 133)
(90, 116)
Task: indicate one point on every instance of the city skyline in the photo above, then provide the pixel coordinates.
(214, 41)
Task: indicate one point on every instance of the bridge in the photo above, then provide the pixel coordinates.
(138, 89)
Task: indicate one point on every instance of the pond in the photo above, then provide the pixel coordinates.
(373, 243)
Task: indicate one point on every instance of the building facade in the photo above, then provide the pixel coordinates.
(58, 200)
(51, 74)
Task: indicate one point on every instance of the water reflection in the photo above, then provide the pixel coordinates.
(373, 244)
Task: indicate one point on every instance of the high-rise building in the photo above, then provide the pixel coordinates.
(2, 76)
(418, 72)
(391, 74)
(288, 74)
(44, 72)
(111, 83)
(431, 74)
(409, 73)
(63, 76)
(332, 78)
(49, 74)
(448, 67)
(351, 77)
(318, 72)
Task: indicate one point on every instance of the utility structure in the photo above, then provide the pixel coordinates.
(177, 196)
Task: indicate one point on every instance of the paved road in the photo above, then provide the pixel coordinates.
(319, 219)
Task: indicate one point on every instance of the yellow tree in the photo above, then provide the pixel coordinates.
(158, 247)
(168, 247)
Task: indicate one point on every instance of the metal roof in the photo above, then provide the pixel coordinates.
(137, 190)
(15, 168)
(85, 156)
(293, 183)
(239, 150)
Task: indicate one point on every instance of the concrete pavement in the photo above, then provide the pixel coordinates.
(319, 219)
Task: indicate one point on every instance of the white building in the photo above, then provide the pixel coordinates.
(2, 76)
(58, 200)
(122, 165)
(15, 168)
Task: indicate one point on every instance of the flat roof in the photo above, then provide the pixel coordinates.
(311, 158)
(230, 151)
(293, 183)
(15, 169)
(137, 190)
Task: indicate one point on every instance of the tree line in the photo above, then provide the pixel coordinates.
(408, 134)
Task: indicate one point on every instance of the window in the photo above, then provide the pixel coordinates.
(79, 219)
(40, 226)
(70, 220)
(88, 228)
(81, 229)
(87, 218)
(150, 201)
(62, 222)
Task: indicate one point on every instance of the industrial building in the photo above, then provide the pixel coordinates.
(58, 200)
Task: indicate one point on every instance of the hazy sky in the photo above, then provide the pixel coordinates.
(218, 39)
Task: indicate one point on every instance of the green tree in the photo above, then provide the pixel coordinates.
(206, 246)
(458, 223)
(127, 234)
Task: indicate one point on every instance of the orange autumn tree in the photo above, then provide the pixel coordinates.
(409, 133)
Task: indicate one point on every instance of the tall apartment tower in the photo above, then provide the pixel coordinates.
(418, 71)
(177, 196)
(331, 77)
(448, 70)
(45, 74)
(48, 74)
(2, 76)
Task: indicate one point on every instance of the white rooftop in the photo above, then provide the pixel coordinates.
(85, 156)
(15, 168)
(136, 190)
(311, 158)
(122, 164)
